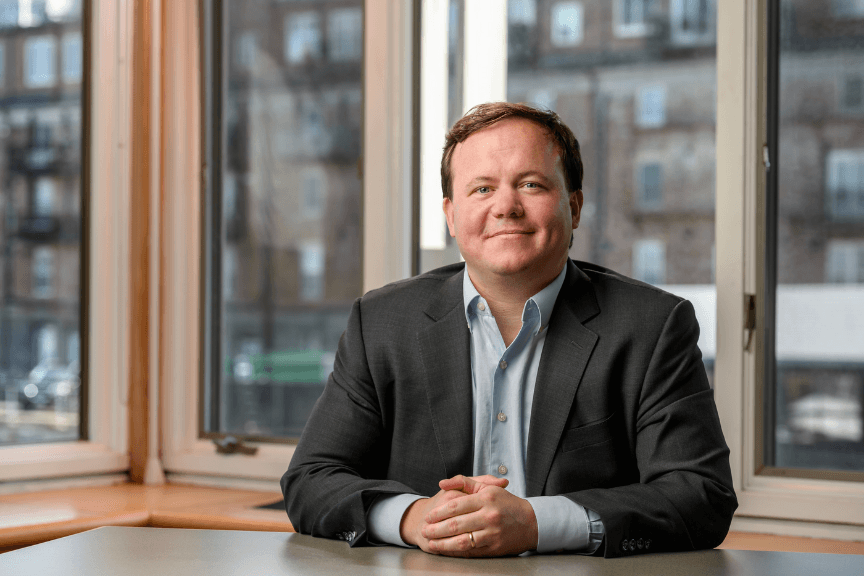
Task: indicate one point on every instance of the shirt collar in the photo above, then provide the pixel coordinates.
(544, 300)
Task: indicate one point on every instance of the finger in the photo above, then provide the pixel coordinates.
(449, 527)
(472, 485)
(460, 545)
(455, 507)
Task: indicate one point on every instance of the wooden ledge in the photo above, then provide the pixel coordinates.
(35, 517)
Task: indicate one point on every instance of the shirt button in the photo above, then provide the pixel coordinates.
(481, 306)
(502, 417)
(503, 364)
(502, 470)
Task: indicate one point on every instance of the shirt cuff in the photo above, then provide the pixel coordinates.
(565, 525)
(385, 516)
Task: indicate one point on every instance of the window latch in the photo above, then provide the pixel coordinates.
(749, 320)
(231, 445)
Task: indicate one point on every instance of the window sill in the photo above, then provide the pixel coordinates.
(31, 518)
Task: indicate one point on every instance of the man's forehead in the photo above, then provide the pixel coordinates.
(507, 134)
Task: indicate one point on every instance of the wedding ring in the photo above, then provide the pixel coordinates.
(471, 537)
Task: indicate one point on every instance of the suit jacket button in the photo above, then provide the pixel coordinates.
(625, 545)
(639, 544)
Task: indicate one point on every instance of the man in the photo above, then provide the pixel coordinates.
(521, 401)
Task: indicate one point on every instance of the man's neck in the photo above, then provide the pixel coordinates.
(506, 296)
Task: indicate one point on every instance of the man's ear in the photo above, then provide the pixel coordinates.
(449, 214)
(576, 206)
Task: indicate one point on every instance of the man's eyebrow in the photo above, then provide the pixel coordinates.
(534, 174)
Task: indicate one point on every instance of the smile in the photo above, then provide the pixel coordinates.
(510, 232)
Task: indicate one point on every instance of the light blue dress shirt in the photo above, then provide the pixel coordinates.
(503, 392)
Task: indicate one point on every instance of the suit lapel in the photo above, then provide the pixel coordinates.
(445, 349)
(566, 352)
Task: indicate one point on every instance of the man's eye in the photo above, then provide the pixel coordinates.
(483, 190)
(531, 185)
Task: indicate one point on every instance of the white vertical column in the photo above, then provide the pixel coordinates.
(484, 66)
(433, 119)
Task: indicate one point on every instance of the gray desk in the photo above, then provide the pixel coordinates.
(172, 552)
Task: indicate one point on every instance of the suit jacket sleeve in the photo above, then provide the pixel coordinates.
(336, 472)
(683, 499)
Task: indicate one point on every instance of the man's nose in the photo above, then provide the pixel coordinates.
(509, 203)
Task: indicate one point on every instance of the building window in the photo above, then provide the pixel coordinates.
(47, 343)
(632, 17)
(229, 272)
(40, 66)
(522, 12)
(848, 9)
(651, 107)
(43, 198)
(845, 184)
(43, 272)
(844, 263)
(73, 56)
(649, 178)
(313, 193)
(8, 13)
(229, 195)
(2, 64)
(852, 94)
(649, 261)
(566, 25)
(345, 34)
(693, 21)
(302, 37)
(311, 271)
(246, 50)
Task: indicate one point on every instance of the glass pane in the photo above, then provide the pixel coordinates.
(289, 241)
(41, 57)
(637, 85)
(819, 344)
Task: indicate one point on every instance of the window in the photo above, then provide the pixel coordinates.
(565, 29)
(650, 186)
(43, 436)
(229, 272)
(693, 21)
(345, 34)
(43, 200)
(522, 12)
(844, 181)
(649, 261)
(8, 13)
(844, 263)
(302, 37)
(40, 61)
(632, 17)
(72, 57)
(814, 364)
(43, 272)
(848, 8)
(311, 271)
(246, 49)
(313, 193)
(2, 63)
(651, 107)
(852, 94)
(289, 249)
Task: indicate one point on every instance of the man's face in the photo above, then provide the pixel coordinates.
(511, 212)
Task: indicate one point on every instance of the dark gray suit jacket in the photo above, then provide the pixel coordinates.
(623, 420)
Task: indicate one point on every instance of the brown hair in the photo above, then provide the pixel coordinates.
(485, 115)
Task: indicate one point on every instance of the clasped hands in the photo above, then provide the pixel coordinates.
(501, 524)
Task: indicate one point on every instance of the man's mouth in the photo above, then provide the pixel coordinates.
(510, 232)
